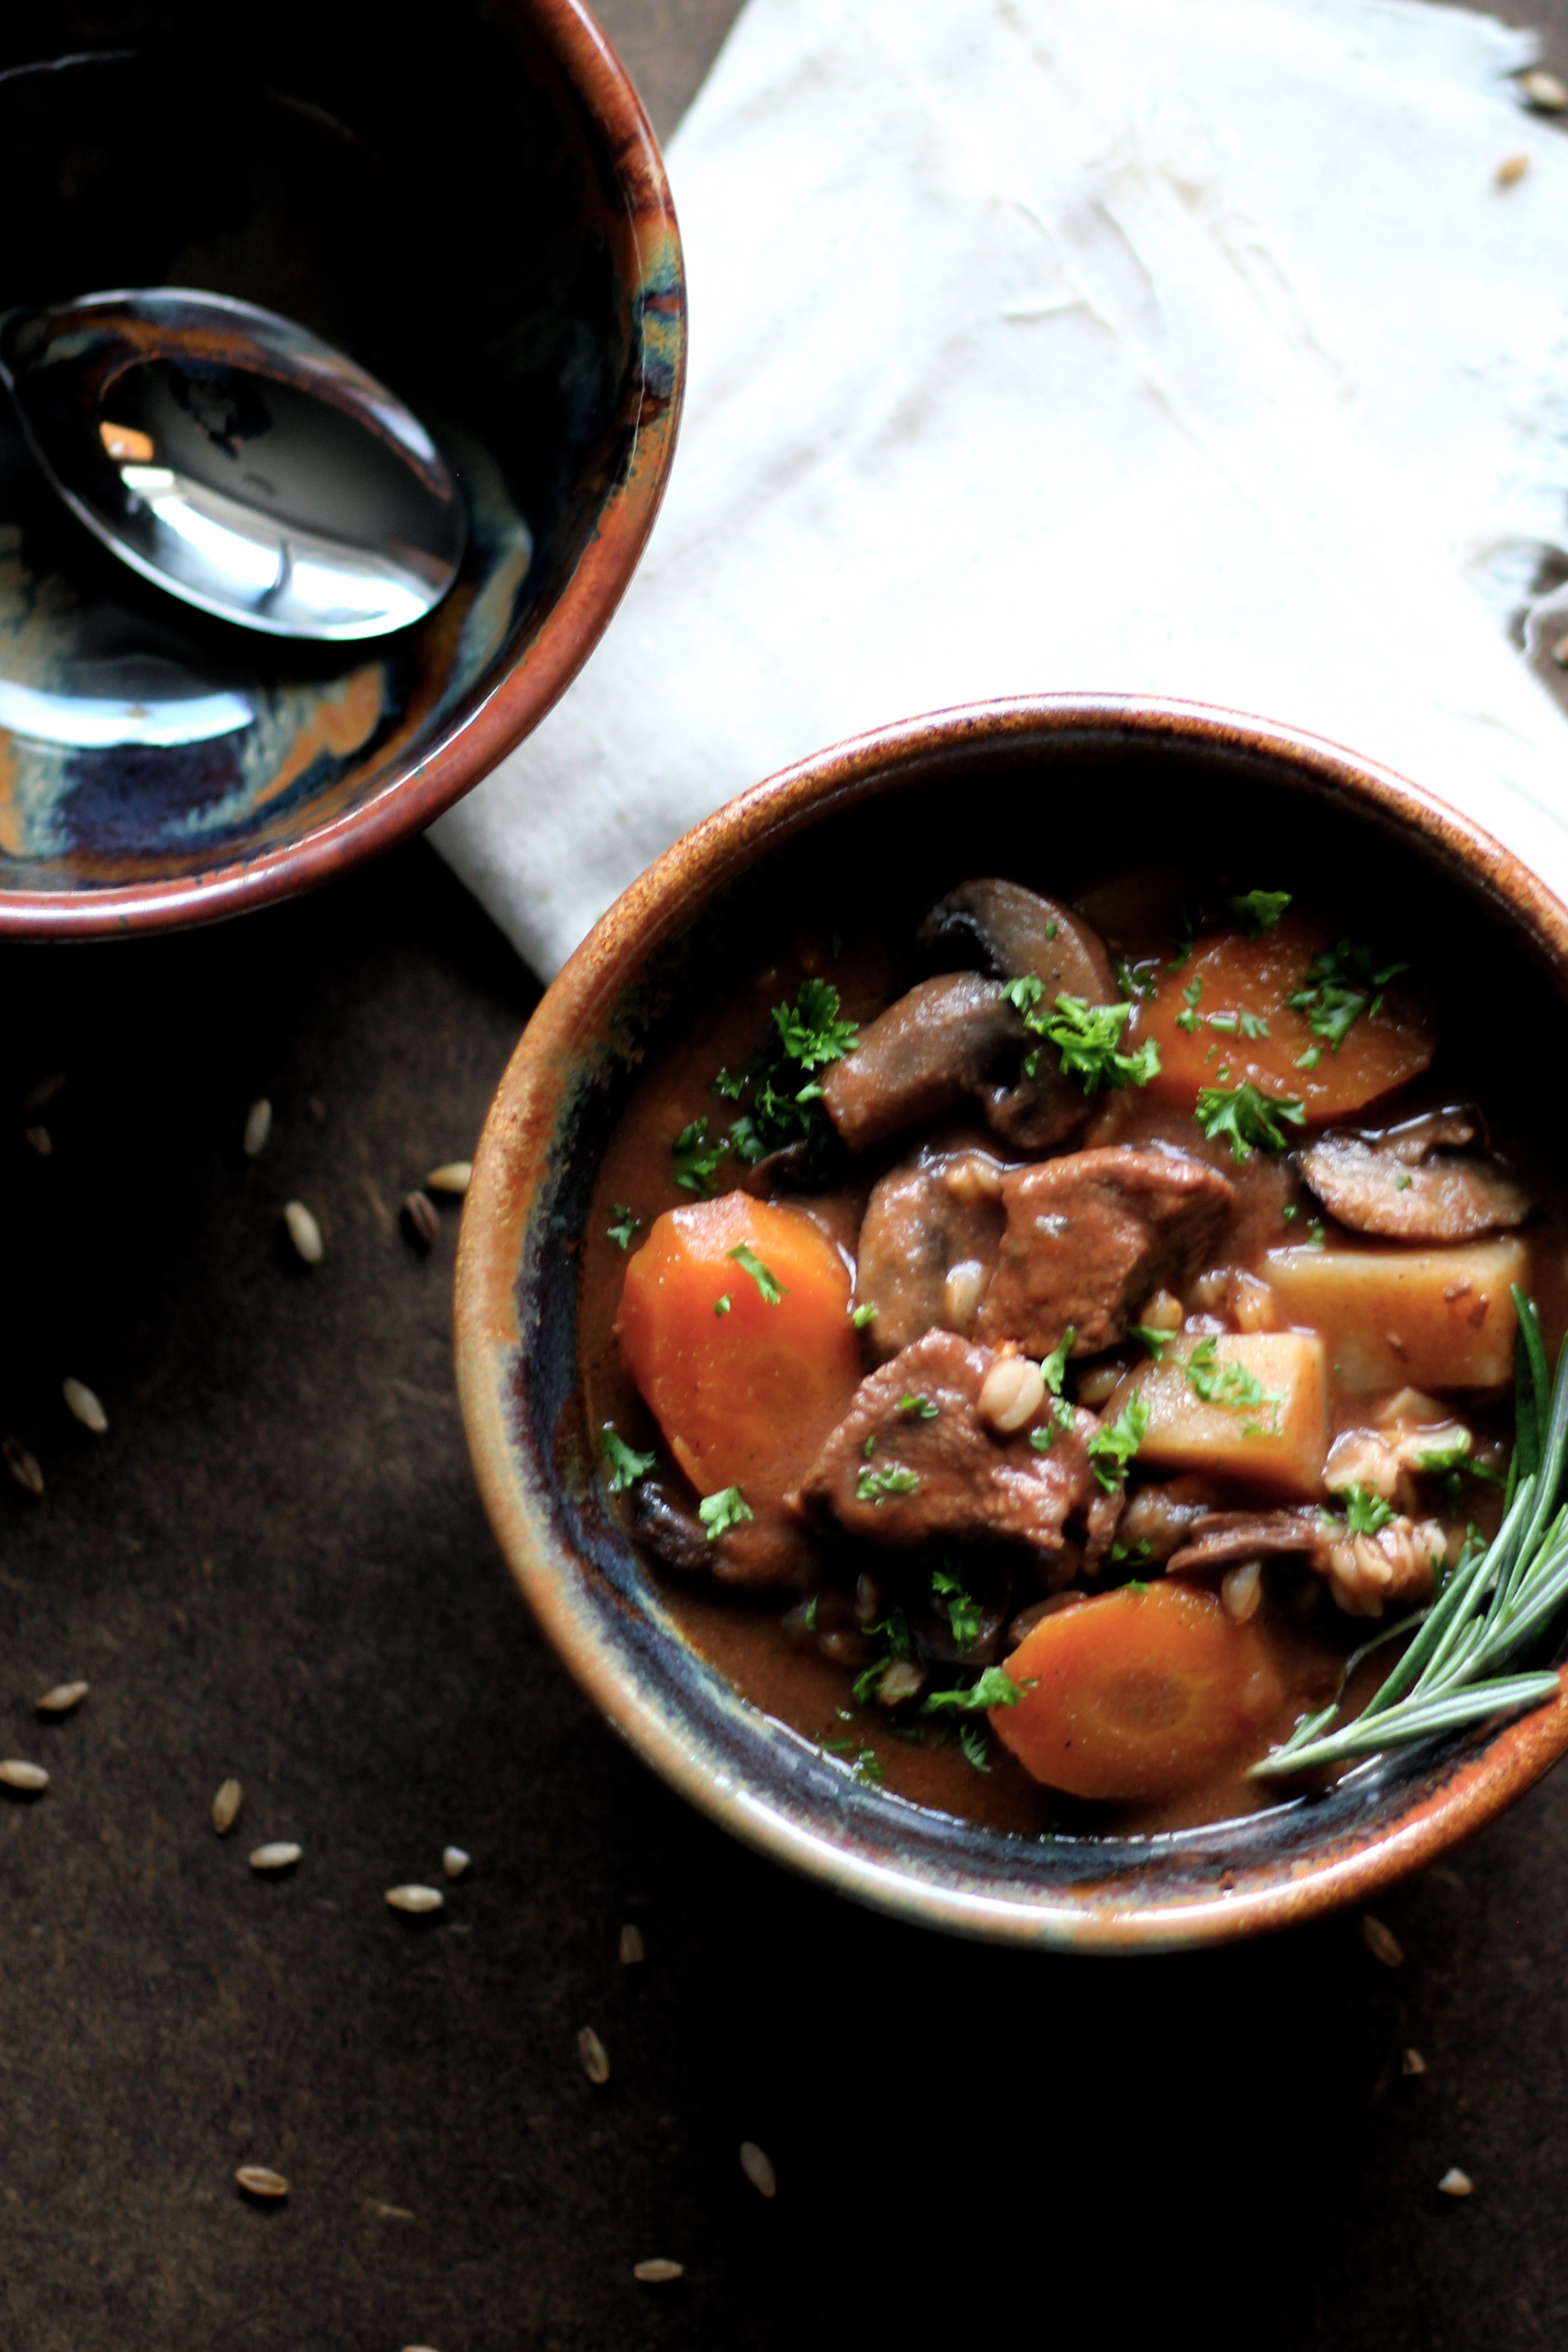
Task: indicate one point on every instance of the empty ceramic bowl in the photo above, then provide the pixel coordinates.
(469, 202)
(1055, 792)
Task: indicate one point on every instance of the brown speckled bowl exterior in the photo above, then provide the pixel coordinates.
(470, 199)
(517, 1373)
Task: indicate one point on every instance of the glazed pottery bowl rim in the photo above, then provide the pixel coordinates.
(510, 1171)
(491, 720)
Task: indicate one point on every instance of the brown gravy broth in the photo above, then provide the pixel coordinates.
(742, 1631)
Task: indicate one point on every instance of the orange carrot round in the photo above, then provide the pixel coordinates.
(1239, 979)
(745, 1390)
(1137, 1693)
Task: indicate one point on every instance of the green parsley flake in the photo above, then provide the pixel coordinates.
(879, 1486)
(1155, 1341)
(696, 1159)
(1316, 1237)
(746, 1259)
(1365, 1512)
(721, 1305)
(1248, 1115)
(1340, 985)
(807, 1036)
(918, 1408)
(1229, 1384)
(962, 1609)
(1183, 944)
(1310, 1059)
(728, 1508)
(626, 1223)
(1086, 1036)
(626, 1465)
(863, 1314)
(1191, 995)
(972, 1740)
(1260, 911)
(995, 1687)
(810, 1619)
(1114, 1445)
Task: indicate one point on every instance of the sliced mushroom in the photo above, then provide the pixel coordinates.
(1005, 930)
(1159, 1519)
(773, 1549)
(1362, 1572)
(950, 1038)
(1412, 1184)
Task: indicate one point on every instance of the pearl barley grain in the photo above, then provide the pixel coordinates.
(451, 1177)
(260, 2181)
(304, 1232)
(1382, 1942)
(1543, 90)
(631, 1945)
(31, 1779)
(455, 1862)
(657, 2273)
(62, 1698)
(1455, 2183)
(594, 2057)
(82, 1402)
(257, 1128)
(758, 2170)
(274, 1858)
(226, 1807)
(417, 1901)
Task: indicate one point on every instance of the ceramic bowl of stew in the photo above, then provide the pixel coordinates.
(471, 203)
(992, 1272)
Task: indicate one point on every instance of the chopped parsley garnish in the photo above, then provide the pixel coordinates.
(746, 1259)
(1252, 1026)
(962, 1609)
(1289, 1212)
(722, 1304)
(626, 1465)
(1365, 1512)
(1260, 911)
(696, 1157)
(1459, 1457)
(918, 1408)
(972, 1740)
(893, 1633)
(1139, 1553)
(1086, 1036)
(995, 1687)
(1229, 1384)
(865, 1767)
(1248, 1115)
(1403, 1183)
(879, 1486)
(1054, 1368)
(809, 1621)
(626, 1223)
(863, 1314)
(1112, 1446)
(807, 1036)
(726, 1509)
(1341, 984)
(1316, 1237)
(1191, 995)
(870, 1446)
(1183, 944)
(1155, 1341)
(1310, 1059)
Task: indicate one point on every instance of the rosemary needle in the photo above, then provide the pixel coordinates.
(1498, 1602)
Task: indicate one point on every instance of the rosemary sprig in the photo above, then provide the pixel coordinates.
(1498, 1603)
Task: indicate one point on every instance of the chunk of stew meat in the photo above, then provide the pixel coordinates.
(1089, 1236)
(933, 1448)
(928, 1246)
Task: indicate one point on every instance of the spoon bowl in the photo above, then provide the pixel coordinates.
(237, 461)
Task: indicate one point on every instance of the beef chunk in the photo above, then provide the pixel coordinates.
(947, 1040)
(928, 1246)
(936, 1469)
(1411, 1182)
(1089, 1236)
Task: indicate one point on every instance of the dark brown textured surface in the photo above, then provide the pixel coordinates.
(963, 2137)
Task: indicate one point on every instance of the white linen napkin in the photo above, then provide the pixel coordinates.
(1191, 347)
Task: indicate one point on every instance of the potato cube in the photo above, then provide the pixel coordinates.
(1250, 1404)
(1434, 1319)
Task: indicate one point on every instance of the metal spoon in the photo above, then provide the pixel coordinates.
(231, 458)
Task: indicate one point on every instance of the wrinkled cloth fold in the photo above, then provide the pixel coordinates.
(1179, 347)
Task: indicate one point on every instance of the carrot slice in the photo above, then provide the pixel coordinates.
(745, 1392)
(1138, 1693)
(1231, 979)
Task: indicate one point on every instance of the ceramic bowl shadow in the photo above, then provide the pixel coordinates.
(469, 201)
(1051, 791)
